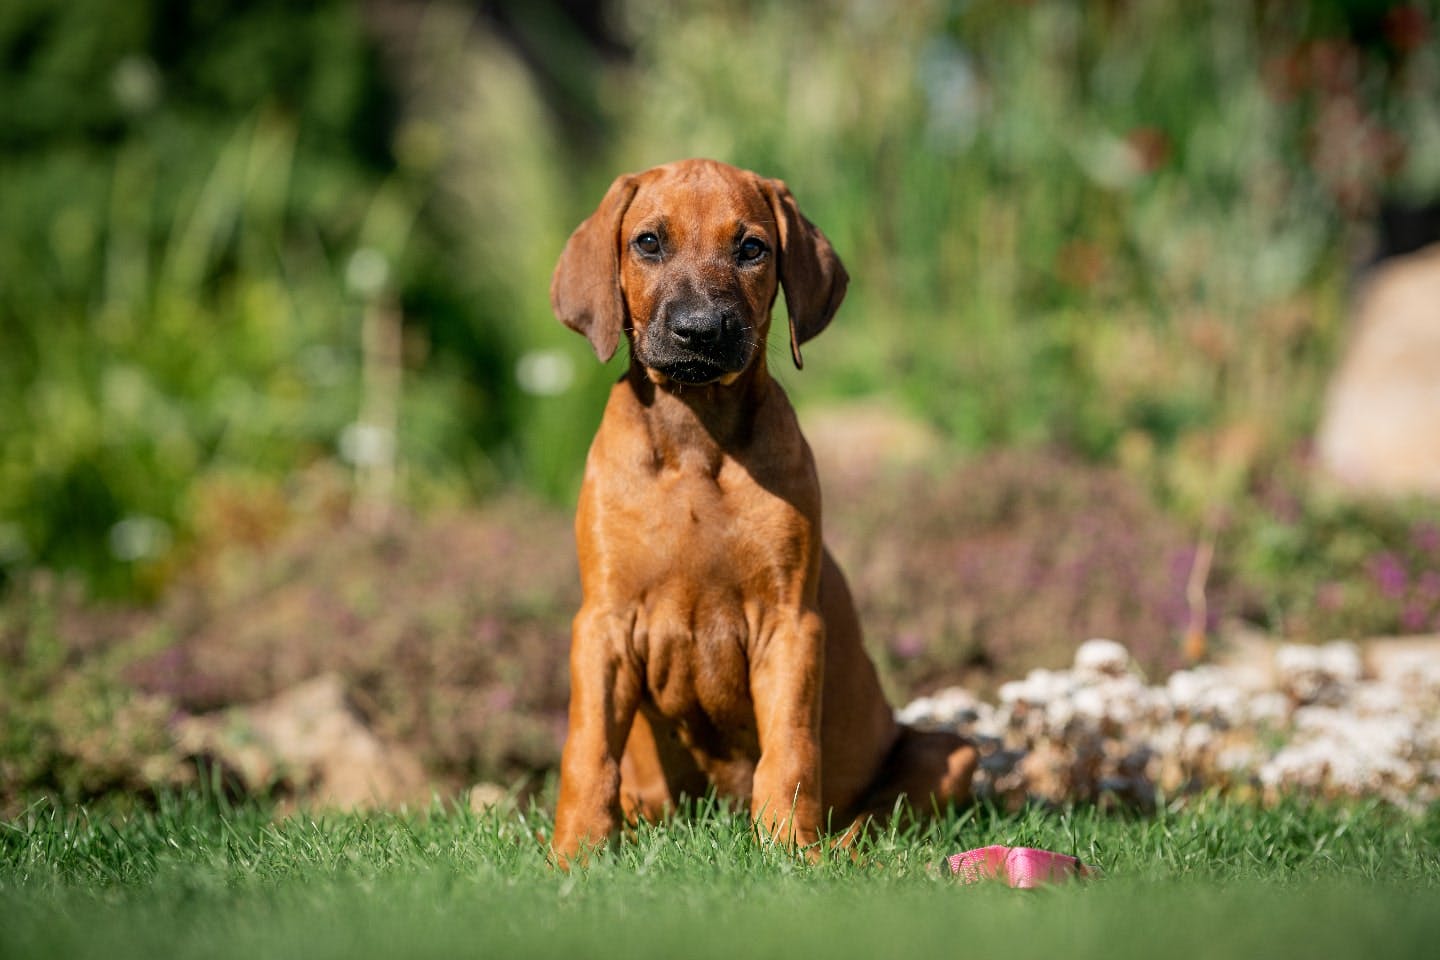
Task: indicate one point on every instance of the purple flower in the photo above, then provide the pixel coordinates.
(1412, 618)
(1389, 575)
(1426, 538)
(907, 645)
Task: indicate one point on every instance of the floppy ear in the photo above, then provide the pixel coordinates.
(585, 291)
(811, 273)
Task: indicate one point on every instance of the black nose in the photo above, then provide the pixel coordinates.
(697, 328)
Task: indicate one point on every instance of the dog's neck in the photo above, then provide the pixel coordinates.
(713, 418)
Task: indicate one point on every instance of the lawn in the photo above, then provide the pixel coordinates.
(202, 878)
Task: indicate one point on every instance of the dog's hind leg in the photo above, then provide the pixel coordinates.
(930, 769)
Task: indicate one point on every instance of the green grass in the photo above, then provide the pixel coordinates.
(199, 879)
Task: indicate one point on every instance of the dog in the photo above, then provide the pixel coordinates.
(717, 645)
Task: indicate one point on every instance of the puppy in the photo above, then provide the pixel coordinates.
(717, 645)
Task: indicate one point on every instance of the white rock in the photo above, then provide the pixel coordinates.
(918, 711)
(1341, 660)
(1375, 699)
(1302, 764)
(1237, 758)
(1167, 738)
(1090, 703)
(1186, 687)
(1099, 658)
(1196, 738)
(1059, 714)
(951, 706)
(1038, 688)
(1311, 724)
(1315, 674)
(1271, 708)
(1207, 693)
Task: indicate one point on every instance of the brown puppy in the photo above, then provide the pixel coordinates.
(717, 644)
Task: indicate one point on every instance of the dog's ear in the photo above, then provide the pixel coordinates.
(585, 291)
(811, 273)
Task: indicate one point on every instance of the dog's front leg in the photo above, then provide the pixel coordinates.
(786, 682)
(604, 693)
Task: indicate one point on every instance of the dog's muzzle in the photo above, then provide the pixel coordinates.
(698, 343)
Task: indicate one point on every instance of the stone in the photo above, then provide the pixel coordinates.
(1412, 663)
(484, 796)
(1310, 721)
(1318, 674)
(310, 743)
(1378, 433)
(1101, 658)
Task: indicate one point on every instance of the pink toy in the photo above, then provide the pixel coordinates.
(1022, 867)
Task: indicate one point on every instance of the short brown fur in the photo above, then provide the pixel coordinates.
(717, 644)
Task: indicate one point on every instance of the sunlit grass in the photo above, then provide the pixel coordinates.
(196, 877)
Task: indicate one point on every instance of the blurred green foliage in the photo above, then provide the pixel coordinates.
(199, 203)
(1121, 228)
(178, 184)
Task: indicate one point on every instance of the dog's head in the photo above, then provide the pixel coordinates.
(686, 260)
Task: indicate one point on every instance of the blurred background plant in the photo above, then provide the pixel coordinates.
(248, 244)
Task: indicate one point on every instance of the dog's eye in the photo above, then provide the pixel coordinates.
(751, 248)
(648, 244)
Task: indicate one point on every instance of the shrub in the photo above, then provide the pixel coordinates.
(980, 571)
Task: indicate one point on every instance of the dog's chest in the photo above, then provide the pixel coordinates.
(696, 541)
(727, 565)
(696, 672)
(707, 551)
